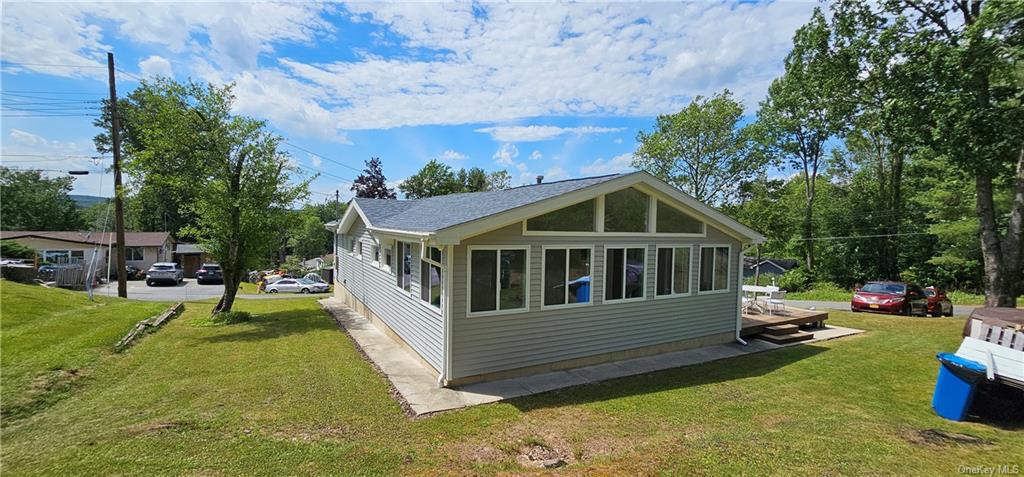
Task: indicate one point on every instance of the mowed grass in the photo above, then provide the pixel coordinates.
(288, 393)
(51, 338)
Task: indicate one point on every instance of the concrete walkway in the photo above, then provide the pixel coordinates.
(418, 385)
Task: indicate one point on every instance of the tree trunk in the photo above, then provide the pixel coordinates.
(991, 250)
(809, 231)
(232, 268)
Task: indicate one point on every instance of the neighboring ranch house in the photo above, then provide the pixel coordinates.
(767, 266)
(555, 275)
(142, 249)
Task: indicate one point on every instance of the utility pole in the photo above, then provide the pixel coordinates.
(337, 204)
(115, 139)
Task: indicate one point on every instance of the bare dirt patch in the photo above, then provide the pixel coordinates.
(938, 437)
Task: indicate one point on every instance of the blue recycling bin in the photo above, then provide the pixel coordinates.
(955, 386)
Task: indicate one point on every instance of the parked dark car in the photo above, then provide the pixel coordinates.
(938, 303)
(133, 273)
(897, 298)
(209, 273)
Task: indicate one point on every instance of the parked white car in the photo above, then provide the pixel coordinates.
(164, 272)
(296, 285)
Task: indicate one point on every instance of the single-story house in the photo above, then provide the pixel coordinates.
(555, 275)
(768, 266)
(142, 249)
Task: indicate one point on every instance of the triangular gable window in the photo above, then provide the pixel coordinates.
(575, 218)
(674, 221)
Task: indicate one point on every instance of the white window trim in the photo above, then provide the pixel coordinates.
(652, 222)
(419, 296)
(497, 291)
(375, 254)
(543, 275)
(398, 269)
(657, 257)
(358, 249)
(604, 275)
(728, 276)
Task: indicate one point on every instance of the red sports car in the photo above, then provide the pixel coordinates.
(890, 297)
(938, 303)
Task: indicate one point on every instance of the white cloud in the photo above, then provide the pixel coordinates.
(506, 154)
(317, 162)
(536, 155)
(539, 133)
(25, 150)
(600, 166)
(156, 66)
(451, 63)
(618, 140)
(452, 156)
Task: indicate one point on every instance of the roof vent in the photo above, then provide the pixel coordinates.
(540, 179)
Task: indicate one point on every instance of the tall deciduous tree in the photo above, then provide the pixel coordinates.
(800, 116)
(967, 57)
(160, 198)
(31, 201)
(436, 178)
(701, 150)
(242, 182)
(372, 183)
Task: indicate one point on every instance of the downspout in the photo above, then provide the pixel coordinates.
(446, 314)
(739, 295)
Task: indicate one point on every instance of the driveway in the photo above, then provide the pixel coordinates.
(845, 306)
(187, 290)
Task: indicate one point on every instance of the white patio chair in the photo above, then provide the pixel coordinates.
(777, 300)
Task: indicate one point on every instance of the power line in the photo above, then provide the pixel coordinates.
(323, 157)
(863, 236)
(22, 91)
(55, 155)
(53, 64)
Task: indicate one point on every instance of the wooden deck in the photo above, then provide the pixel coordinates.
(754, 323)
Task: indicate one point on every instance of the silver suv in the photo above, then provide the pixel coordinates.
(164, 272)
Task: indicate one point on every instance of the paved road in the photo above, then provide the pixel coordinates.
(188, 290)
(845, 306)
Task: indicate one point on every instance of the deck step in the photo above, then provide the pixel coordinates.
(786, 338)
(779, 330)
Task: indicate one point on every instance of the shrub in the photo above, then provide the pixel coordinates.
(795, 280)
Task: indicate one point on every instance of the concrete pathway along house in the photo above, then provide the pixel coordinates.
(419, 387)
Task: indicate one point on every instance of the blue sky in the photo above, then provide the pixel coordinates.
(559, 90)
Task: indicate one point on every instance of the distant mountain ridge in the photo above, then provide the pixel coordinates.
(86, 201)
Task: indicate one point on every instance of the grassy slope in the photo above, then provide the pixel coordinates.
(51, 338)
(288, 393)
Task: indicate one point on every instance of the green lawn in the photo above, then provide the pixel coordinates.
(289, 394)
(50, 339)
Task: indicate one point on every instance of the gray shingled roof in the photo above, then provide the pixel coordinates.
(436, 213)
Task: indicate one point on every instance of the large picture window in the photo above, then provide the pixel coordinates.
(673, 271)
(672, 221)
(403, 275)
(714, 268)
(575, 218)
(626, 211)
(566, 276)
(430, 277)
(624, 273)
(497, 279)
